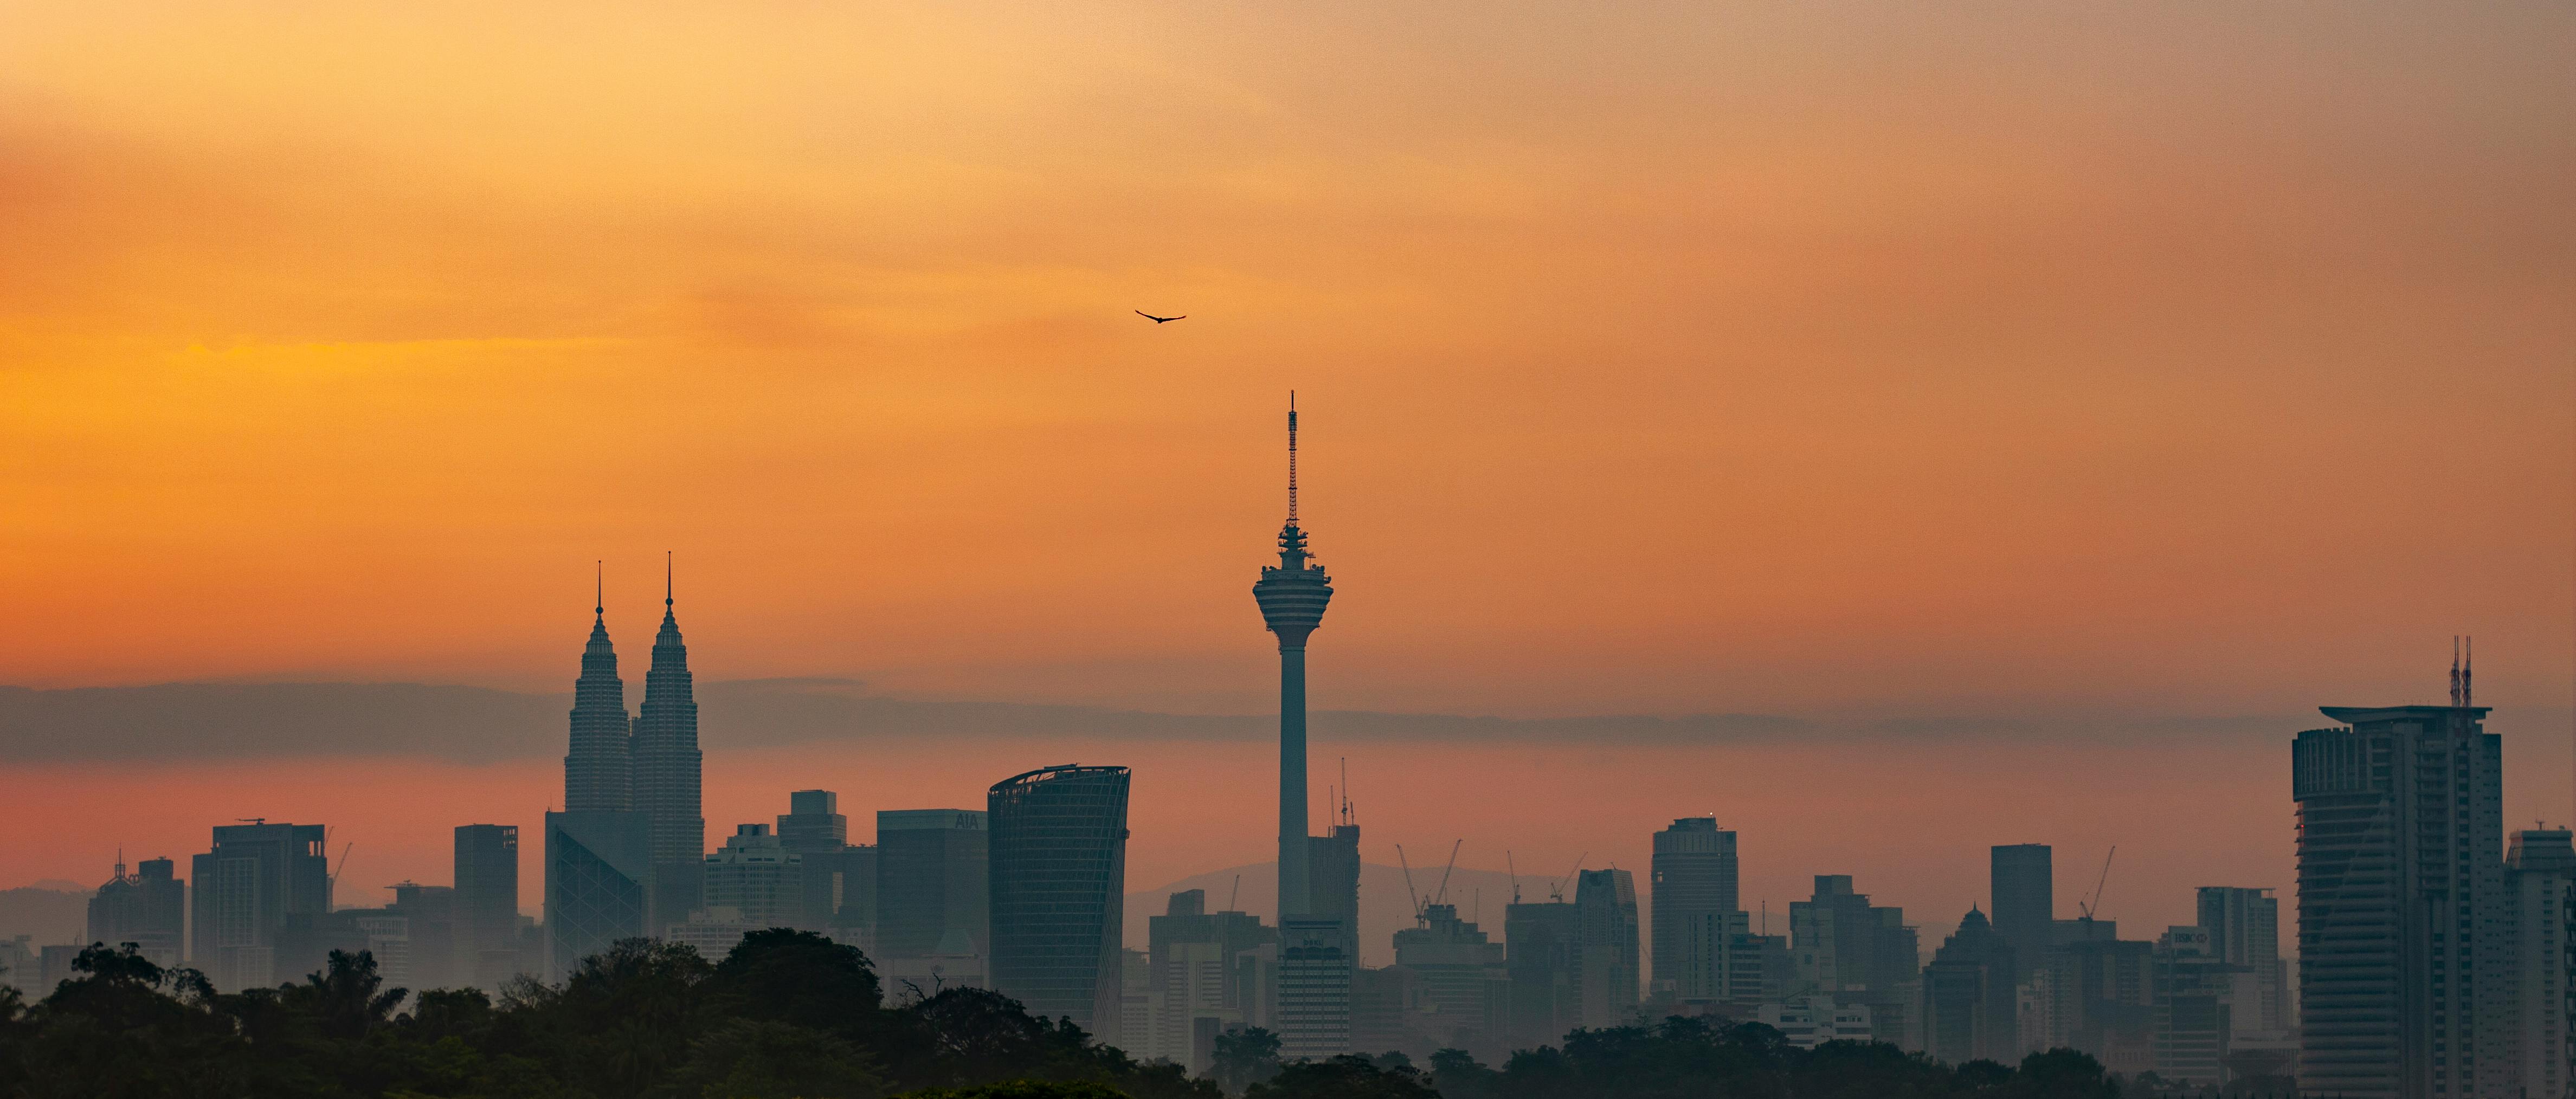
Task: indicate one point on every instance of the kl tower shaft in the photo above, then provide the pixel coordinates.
(1292, 598)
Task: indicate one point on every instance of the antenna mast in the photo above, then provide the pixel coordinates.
(1292, 457)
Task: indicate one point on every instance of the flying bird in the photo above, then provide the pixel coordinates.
(1161, 320)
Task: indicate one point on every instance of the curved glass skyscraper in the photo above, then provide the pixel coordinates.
(1059, 882)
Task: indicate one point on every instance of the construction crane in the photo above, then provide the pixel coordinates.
(1556, 889)
(1409, 894)
(1231, 894)
(1442, 894)
(2093, 908)
(344, 865)
(1515, 872)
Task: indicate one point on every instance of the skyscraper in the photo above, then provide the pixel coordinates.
(2023, 902)
(1059, 886)
(1694, 876)
(148, 908)
(2244, 928)
(2540, 879)
(2404, 944)
(257, 877)
(598, 849)
(1969, 1008)
(933, 884)
(599, 769)
(1540, 942)
(487, 904)
(840, 877)
(1605, 903)
(667, 770)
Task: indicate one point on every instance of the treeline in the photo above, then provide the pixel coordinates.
(792, 1015)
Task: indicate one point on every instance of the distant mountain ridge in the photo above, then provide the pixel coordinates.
(51, 917)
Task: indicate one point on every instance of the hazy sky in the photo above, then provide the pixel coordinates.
(1979, 362)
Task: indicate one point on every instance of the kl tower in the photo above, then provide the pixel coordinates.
(1292, 597)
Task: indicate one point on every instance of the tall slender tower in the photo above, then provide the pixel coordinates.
(667, 760)
(1292, 598)
(599, 769)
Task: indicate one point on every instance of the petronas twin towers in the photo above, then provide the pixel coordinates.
(648, 764)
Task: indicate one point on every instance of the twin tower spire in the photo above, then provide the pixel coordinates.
(647, 763)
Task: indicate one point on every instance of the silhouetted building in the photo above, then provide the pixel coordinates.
(667, 772)
(1728, 965)
(1382, 1001)
(1464, 990)
(2100, 995)
(840, 892)
(599, 768)
(932, 883)
(597, 866)
(2403, 979)
(257, 877)
(1542, 942)
(1694, 876)
(1857, 952)
(1969, 1008)
(2191, 1009)
(757, 878)
(1333, 880)
(1605, 957)
(2022, 897)
(148, 909)
(1193, 973)
(2540, 886)
(1314, 972)
(1292, 597)
(1810, 1021)
(1059, 886)
(487, 905)
(2244, 928)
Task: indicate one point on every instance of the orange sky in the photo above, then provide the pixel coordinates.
(1879, 360)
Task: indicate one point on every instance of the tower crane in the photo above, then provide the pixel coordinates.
(1409, 894)
(1556, 889)
(2093, 908)
(1442, 894)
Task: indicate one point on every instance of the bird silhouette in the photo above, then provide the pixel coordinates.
(1161, 320)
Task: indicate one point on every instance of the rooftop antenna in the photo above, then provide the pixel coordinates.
(2455, 671)
(599, 587)
(2465, 666)
(1292, 457)
(666, 579)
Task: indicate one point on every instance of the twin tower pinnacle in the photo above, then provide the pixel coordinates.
(648, 763)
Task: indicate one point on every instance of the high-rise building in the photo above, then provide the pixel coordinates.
(1605, 956)
(933, 883)
(840, 897)
(1859, 953)
(2540, 885)
(2192, 1007)
(148, 908)
(257, 878)
(1969, 1009)
(1463, 996)
(599, 769)
(2022, 898)
(1292, 597)
(667, 771)
(1694, 876)
(1192, 968)
(2244, 928)
(756, 879)
(424, 920)
(1333, 880)
(2404, 944)
(599, 849)
(598, 864)
(1542, 941)
(1058, 859)
(487, 905)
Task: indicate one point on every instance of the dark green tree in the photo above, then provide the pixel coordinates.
(1350, 1076)
(1244, 1056)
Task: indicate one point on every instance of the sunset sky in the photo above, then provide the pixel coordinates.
(1995, 387)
